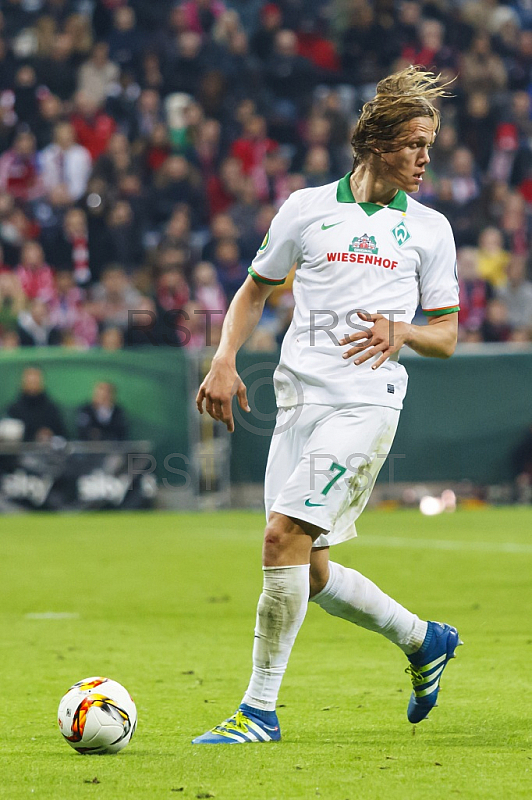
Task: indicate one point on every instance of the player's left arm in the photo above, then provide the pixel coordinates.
(438, 288)
(436, 340)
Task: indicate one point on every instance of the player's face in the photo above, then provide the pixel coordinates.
(404, 168)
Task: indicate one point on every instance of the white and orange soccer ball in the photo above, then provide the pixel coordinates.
(97, 715)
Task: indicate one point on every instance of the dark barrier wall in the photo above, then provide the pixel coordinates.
(462, 417)
(151, 385)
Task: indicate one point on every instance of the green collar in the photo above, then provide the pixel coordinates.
(345, 195)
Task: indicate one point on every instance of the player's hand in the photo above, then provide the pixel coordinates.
(384, 338)
(218, 389)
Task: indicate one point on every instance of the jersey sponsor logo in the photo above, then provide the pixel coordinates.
(363, 258)
(333, 225)
(310, 505)
(401, 233)
(265, 243)
(364, 244)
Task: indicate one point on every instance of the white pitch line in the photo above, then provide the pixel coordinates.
(445, 544)
(52, 615)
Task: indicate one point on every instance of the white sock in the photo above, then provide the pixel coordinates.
(280, 614)
(351, 596)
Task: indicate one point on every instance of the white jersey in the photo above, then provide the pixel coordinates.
(352, 256)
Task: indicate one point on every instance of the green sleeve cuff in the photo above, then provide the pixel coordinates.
(439, 312)
(264, 280)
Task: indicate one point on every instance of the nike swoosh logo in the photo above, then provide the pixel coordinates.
(326, 227)
(309, 504)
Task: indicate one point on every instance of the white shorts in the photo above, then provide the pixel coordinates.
(323, 463)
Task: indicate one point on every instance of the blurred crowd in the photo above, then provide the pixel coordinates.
(145, 147)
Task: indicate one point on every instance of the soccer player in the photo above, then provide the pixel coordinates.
(364, 250)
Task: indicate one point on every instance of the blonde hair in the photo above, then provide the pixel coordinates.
(400, 97)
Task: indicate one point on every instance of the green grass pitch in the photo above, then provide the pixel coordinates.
(165, 604)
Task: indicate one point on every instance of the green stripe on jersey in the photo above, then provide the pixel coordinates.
(264, 280)
(439, 312)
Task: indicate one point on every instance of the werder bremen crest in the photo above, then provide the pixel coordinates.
(364, 244)
(401, 233)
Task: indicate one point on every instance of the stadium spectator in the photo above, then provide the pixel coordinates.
(70, 246)
(19, 173)
(177, 230)
(113, 297)
(41, 416)
(111, 339)
(493, 258)
(98, 73)
(102, 420)
(50, 112)
(65, 163)
(208, 291)
(252, 238)
(12, 301)
(291, 78)
(93, 126)
(222, 188)
(125, 40)
(57, 71)
(430, 49)
(208, 147)
(176, 182)
(172, 291)
(515, 224)
(222, 227)
(475, 292)
(317, 166)
(520, 62)
(254, 145)
(35, 327)
(26, 95)
(263, 39)
(124, 236)
(482, 70)
(318, 48)
(517, 294)
(201, 15)
(115, 161)
(229, 265)
(364, 46)
(496, 326)
(476, 126)
(272, 179)
(148, 114)
(189, 65)
(15, 228)
(244, 211)
(464, 176)
(34, 274)
(69, 315)
(80, 29)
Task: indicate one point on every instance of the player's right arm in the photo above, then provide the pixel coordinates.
(223, 381)
(280, 249)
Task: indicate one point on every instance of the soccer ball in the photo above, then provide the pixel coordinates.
(97, 715)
